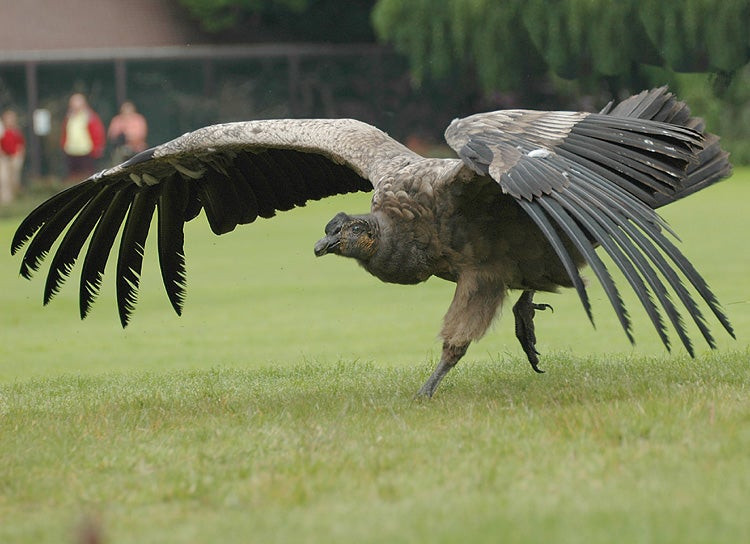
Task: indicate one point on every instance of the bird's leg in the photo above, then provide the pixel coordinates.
(475, 302)
(523, 311)
(451, 355)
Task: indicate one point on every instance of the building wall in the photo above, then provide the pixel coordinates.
(78, 24)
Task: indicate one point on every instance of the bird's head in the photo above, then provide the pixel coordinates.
(353, 236)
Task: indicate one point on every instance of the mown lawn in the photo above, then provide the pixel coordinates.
(280, 406)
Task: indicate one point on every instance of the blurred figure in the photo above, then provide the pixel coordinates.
(83, 138)
(12, 151)
(127, 131)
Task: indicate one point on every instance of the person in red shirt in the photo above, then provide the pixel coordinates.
(12, 151)
(83, 138)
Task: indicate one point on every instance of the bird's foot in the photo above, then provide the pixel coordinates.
(450, 356)
(428, 389)
(523, 311)
(542, 306)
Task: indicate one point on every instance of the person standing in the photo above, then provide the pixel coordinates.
(127, 131)
(83, 138)
(12, 151)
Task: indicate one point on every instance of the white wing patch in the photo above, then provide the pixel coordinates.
(540, 153)
(187, 172)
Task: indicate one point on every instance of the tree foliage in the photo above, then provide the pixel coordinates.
(475, 54)
(283, 20)
(508, 41)
(219, 15)
(441, 37)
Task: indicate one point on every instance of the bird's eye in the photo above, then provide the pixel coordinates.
(358, 229)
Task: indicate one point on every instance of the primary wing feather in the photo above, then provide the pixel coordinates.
(235, 172)
(171, 205)
(75, 237)
(132, 247)
(596, 178)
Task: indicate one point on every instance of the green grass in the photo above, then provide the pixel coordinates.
(280, 406)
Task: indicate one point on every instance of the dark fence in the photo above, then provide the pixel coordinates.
(180, 89)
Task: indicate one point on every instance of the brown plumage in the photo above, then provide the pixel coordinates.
(530, 197)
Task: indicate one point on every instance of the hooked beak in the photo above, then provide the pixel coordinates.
(327, 245)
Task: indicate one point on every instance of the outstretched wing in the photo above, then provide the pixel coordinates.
(235, 172)
(596, 178)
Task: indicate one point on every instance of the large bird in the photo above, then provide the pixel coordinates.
(526, 204)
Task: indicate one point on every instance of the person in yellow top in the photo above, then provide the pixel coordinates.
(83, 138)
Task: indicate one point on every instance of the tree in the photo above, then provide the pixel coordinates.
(506, 42)
(439, 38)
(284, 20)
(483, 54)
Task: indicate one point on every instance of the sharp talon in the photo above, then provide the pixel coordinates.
(523, 311)
(535, 366)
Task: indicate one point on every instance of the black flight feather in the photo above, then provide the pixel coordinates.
(319, 179)
(631, 206)
(171, 204)
(643, 164)
(346, 180)
(638, 231)
(581, 241)
(42, 213)
(53, 226)
(636, 246)
(534, 211)
(593, 161)
(293, 185)
(681, 261)
(250, 165)
(247, 201)
(695, 279)
(72, 243)
(622, 167)
(194, 205)
(591, 222)
(132, 245)
(279, 176)
(100, 246)
(220, 200)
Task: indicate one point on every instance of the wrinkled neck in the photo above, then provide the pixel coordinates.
(399, 258)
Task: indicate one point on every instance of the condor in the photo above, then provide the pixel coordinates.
(531, 197)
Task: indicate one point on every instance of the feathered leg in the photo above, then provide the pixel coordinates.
(474, 305)
(523, 311)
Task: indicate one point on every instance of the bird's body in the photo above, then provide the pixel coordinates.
(529, 199)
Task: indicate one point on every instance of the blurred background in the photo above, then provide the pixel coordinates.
(408, 67)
